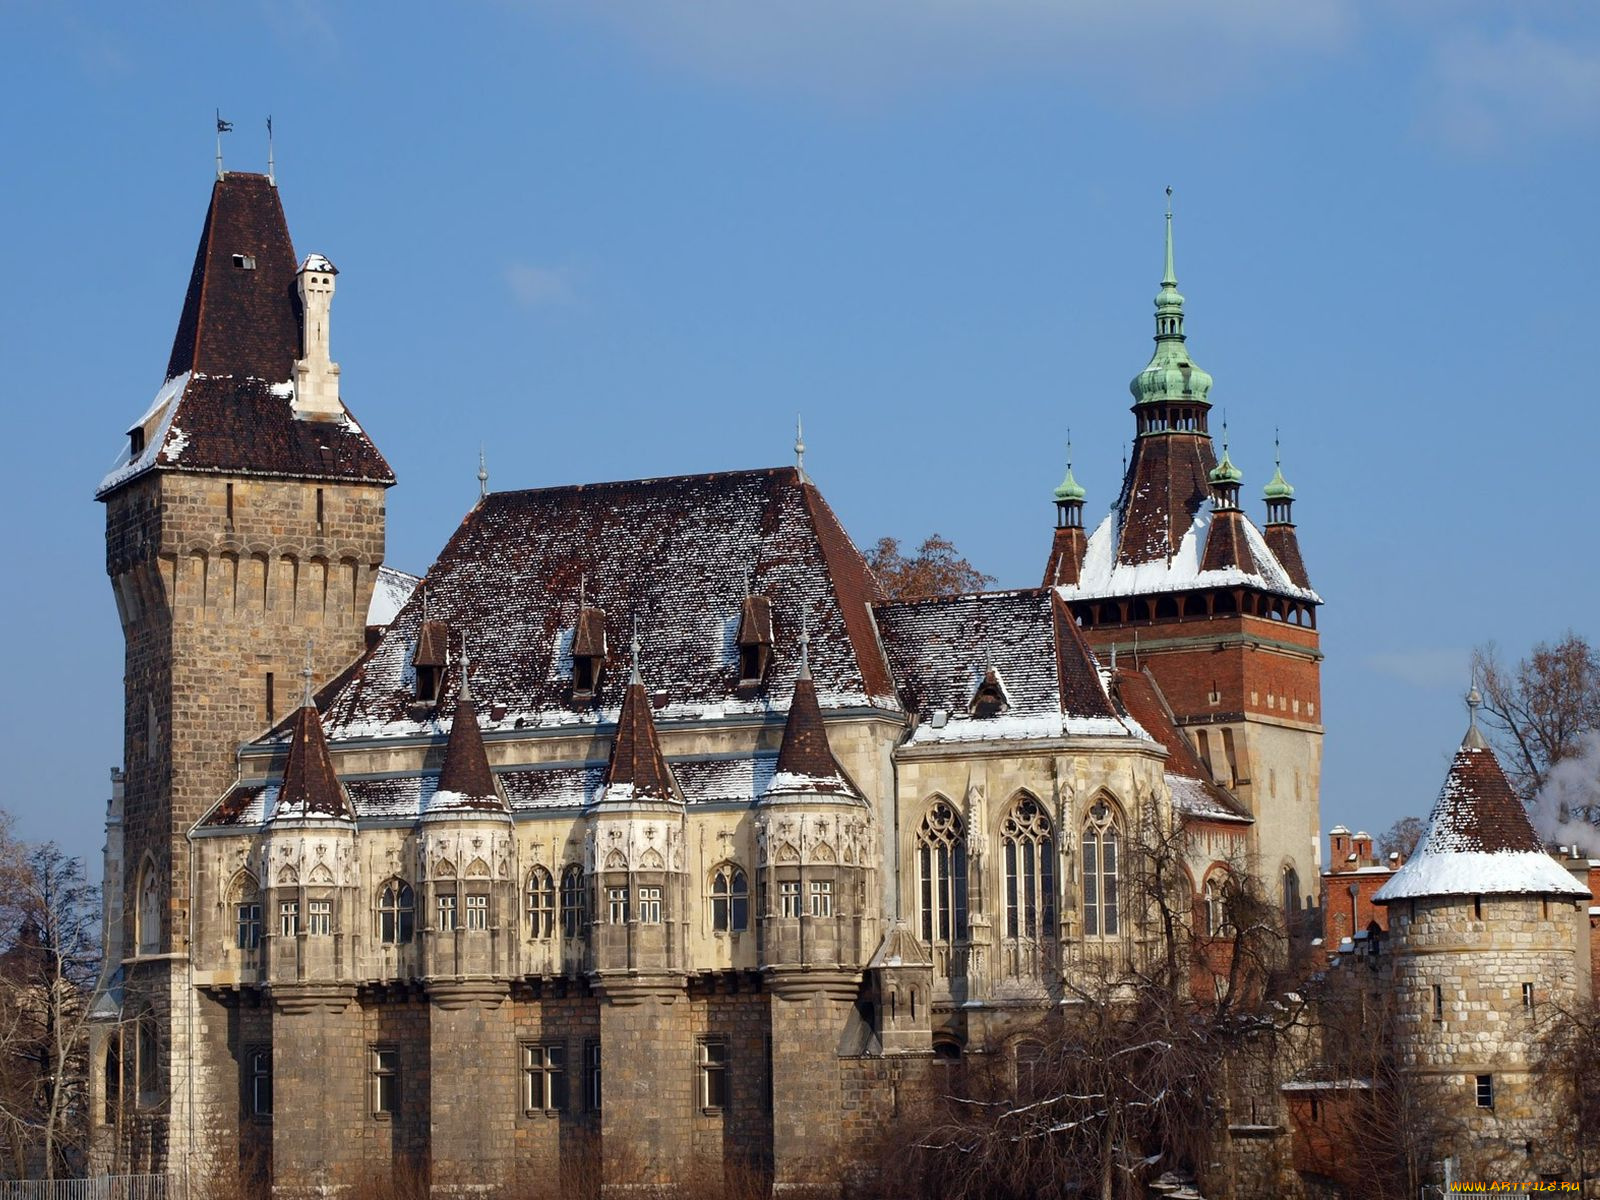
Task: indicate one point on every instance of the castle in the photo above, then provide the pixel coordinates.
(644, 827)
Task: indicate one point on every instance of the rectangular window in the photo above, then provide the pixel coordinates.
(544, 1077)
(319, 506)
(230, 506)
(713, 1055)
(822, 897)
(1438, 1003)
(1485, 1091)
(247, 926)
(477, 911)
(319, 918)
(271, 703)
(1527, 996)
(789, 898)
(591, 1075)
(385, 1081)
(288, 918)
(447, 913)
(650, 905)
(617, 905)
(259, 1089)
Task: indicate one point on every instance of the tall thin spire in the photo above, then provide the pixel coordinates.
(799, 447)
(1170, 277)
(1474, 739)
(483, 475)
(634, 647)
(805, 647)
(222, 128)
(272, 165)
(465, 692)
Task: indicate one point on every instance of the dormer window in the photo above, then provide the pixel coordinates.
(588, 652)
(755, 640)
(990, 700)
(431, 659)
(245, 262)
(136, 441)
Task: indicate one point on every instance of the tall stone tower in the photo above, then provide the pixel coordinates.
(1222, 614)
(244, 531)
(1489, 936)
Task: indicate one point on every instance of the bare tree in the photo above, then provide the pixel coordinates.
(1538, 709)
(47, 973)
(935, 570)
(1402, 837)
(1564, 1061)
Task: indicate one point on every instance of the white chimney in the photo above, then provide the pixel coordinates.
(316, 376)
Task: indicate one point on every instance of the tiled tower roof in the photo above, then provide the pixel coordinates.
(1479, 840)
(226, 406)
(310, 785)
(637, 769)
(805, 760)
(465, 781)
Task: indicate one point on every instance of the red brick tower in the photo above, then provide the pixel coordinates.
(1221, 614)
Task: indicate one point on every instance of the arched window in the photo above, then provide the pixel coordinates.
(572, 901)
(1291, 892)
(397, 913)
(730, 899)
(541, 904)
(149, 912)
(942, 875)
(1101, 908)
(1030, 871)
(1216, 906)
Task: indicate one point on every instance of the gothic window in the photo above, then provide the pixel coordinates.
(1291, 892)
(319, 917)
(650, 906)
(942, 875)
(822, 897)
(477, 910)
(789, 898)
(541, 905)
(617, 905)
(544, 1077)
(397, 909)
(149, 1064)
(112, 1084)
(258, 1084)
(288, 918)
(384, 1067)
(730, 899)
(712, 1053)
(149, 912)
(1030, 871)
(447, 912)
(246, 916)
(1101, 905)
(1216, 907)
(572, 901)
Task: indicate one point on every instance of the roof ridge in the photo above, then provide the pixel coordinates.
(601, 485)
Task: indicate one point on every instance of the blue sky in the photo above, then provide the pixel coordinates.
(612, 240)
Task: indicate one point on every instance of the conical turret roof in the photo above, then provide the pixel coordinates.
(805, 760)
(310, 787)
(1479, 841)
(637, 769)
(465, 780)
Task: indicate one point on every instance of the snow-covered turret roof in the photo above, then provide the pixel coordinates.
(1479, 841)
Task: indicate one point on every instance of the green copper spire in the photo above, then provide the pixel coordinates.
(1070, 488)
(1225, 473)
(1170, 375)
(1277, 487)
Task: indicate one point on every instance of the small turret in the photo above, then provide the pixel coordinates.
(1227, 542)
(1226, 478)
(316, 375)
(466, 784)
(1066, 553)
(1279, 532)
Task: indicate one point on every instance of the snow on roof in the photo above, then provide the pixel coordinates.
(680, 554)
(317, 262)
(550, 787)
(1104, 576)
(392, 589)
(1479, 841)
(941, 649)
(161, 410)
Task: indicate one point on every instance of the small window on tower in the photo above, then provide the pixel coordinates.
(246, 262)
(135, 441)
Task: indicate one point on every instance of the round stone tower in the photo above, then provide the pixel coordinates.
(1484, 927)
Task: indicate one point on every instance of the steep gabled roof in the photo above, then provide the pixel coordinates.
(1479, 840)
(942, 649)
(681, 554)
(310, 787)
(226, 406)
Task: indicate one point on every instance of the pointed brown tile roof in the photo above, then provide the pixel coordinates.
(433, 645)
(465, 781)
(805, 760)
(1479, 840)
(227, 406)
(637, 768)
(1194, 793)
(1066, 556)
(1285, 546)
(1227, 544)
(310, 785)
(1168, 481)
